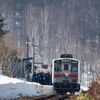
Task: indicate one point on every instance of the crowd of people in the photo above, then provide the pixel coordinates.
(42, 78)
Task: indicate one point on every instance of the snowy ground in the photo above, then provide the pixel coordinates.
(11, 88)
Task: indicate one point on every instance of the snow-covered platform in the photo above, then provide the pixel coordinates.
(15, 88)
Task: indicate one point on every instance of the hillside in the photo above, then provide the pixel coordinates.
(59, 26)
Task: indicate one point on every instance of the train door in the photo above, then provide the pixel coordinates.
(66, 65)
(56, 76)
(66, 72)
(74, 71)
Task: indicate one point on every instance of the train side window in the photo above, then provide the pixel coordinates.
(66, 67)
(74, 69)
(57, 65)
(74, 66)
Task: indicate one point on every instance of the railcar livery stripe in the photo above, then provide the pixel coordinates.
(57, 76)
(74, 76)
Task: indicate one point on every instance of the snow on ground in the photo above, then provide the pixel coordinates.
(11, 88)
(84, 88)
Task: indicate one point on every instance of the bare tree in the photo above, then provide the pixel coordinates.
(9, 53)
(94, 89)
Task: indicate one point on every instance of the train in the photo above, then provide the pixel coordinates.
(66, 74)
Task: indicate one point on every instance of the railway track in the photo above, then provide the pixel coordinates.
(48, 97)
(58, 97)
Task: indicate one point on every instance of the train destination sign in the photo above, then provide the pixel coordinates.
(58, 61)
(65, 61)
(74, 62)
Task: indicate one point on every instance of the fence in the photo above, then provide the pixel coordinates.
(19, 70)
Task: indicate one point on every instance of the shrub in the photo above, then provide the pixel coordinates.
(94, 89)
(84, 96)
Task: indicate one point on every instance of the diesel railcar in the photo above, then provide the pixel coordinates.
(66, 73)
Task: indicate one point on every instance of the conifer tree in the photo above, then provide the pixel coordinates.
(2, 32)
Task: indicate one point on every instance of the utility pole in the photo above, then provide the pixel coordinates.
(33, 47)
(33, 52)
(27, 46)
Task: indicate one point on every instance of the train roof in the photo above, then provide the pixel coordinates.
(66, 58)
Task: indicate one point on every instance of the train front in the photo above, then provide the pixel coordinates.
(66, 74)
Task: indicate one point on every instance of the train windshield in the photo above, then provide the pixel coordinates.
(74, 66)
(66, 67)
(57, 65)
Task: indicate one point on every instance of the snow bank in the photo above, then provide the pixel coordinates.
(15, 88)
(84, 88)
(84, 79)
(45, 89)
